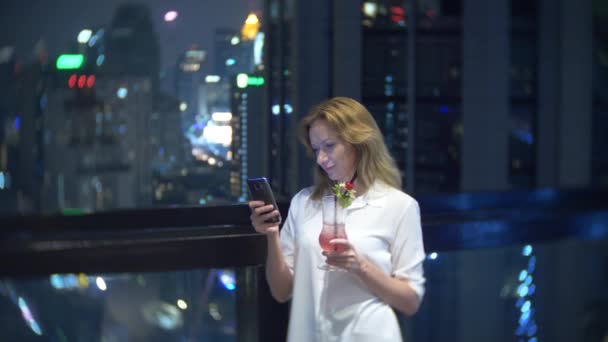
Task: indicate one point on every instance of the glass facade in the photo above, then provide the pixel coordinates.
(523, 94)
(123, 108)
(430, 100)
(500, 294)
(168, 306)
(105, 107)
(514, 294)
(279, 49)
(131, 123)
(600, 94)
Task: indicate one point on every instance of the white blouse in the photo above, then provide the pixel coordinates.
(383, 225)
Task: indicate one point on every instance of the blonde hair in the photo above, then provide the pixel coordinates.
(354, 125)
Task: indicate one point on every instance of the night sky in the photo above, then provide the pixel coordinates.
(25, 22)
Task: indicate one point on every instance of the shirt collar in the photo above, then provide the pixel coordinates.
(374, 197)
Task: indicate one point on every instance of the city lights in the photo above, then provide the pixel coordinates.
(218, 134)
(252, 19)
(276, 109)
(90, 81)
(287, 107)
(84, 36)
(101, 284)
(258, 49)
(122, 92)
(241, 80)
(170, 16)
(244, 80)
(182, 304)
(100, 60)
(27, 315)
(227, 279)
(97, 36)
(370, 9)
(527, 327)
(190, 67)
(255, 81)
(183, 106)
(81, 81)
(251, 27)
(198, 55)
(221, 116)
(69, 61)
(214, 311)
(235, 40)
(212, 79)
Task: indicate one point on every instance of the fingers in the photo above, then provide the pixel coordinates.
(341, 242)
(255, 204)
(344, 257)
(347, 264)
(257, 218)
(260, 208)
(265, 228)
(260, 213)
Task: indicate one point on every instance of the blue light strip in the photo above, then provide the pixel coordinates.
(244, 157)
(526, 328)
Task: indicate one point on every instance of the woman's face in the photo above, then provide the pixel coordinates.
(336, 157)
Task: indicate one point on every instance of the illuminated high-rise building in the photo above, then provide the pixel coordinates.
(188, 82)
(111, 128)
(250, 132)
(99, 144)
(216, 95)
(233, 54)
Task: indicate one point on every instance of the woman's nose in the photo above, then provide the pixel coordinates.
(321, 158)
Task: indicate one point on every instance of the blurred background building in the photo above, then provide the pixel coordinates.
(121, 105)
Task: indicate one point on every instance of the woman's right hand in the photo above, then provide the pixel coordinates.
(261, 213)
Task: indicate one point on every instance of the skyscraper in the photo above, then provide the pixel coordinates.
(110, 127)
(250, 131)
(133, 44)
(233, 53)
(188, 82)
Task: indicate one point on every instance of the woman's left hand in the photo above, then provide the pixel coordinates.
(345, 257)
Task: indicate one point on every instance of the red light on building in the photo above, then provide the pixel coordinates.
(90, 81)
(72, 81)
(82, 79)
(397, 14)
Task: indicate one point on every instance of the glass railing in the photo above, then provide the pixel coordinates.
(510, 266)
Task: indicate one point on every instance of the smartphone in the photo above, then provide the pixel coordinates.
(260, 190)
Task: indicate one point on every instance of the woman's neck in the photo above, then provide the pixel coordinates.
(350, 179)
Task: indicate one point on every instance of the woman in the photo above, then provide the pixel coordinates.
(383, 254)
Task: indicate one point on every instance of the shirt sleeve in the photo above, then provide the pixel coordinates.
(407, 249)
(288, 234)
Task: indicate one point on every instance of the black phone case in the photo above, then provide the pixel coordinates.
(260, 190)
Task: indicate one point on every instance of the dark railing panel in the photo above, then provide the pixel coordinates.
(182, 238)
